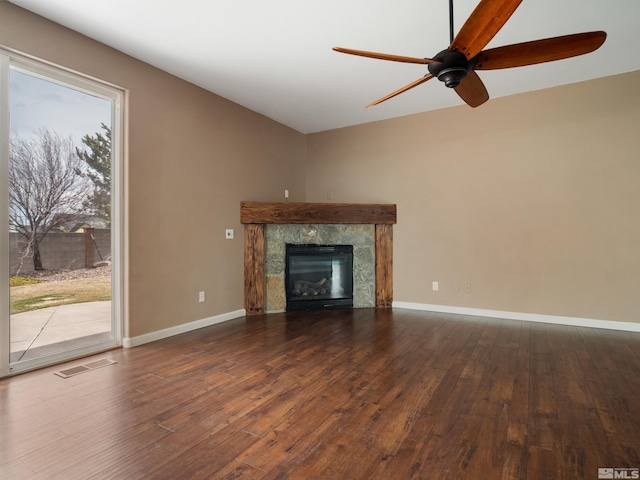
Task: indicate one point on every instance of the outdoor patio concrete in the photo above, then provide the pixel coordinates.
(52, 325)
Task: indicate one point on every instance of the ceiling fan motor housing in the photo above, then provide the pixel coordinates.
(452, 70)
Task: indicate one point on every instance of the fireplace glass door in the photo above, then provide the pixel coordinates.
(319, 276)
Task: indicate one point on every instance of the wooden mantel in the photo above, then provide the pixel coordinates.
(332, 213)
(255, 215)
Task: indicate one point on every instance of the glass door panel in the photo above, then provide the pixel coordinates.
(60, 239)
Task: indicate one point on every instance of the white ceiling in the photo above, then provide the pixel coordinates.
(275, 56)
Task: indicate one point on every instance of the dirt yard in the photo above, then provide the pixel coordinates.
(62, 287)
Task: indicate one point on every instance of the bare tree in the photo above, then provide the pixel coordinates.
(46, 187)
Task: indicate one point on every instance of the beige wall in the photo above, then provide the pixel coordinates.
(533, 200)
(193, 157)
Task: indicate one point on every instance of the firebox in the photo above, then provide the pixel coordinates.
(318, 276)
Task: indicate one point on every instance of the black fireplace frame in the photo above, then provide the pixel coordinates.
(298, 302)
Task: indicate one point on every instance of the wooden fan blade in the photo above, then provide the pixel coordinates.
(540, 51)
(482, 25)
(472, 90)
(403, 89)
(385, 56)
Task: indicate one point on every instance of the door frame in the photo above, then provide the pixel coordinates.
(118, 97)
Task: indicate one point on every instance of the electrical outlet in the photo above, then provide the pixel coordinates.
(467, 288)
(229, 234)
(434, 285)
(201, 297)
(286, 194)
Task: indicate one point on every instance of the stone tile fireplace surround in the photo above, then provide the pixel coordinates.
(270, 225)
(362, 238)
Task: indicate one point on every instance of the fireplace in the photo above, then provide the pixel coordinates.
(256, 216)
(318, 276)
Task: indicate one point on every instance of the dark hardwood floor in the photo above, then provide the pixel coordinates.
(350, 394)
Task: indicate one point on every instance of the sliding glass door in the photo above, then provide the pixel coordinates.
(61, 233)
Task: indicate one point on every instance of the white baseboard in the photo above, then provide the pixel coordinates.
(526, 317)
(129, 342)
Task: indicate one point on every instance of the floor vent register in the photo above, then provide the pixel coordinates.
(70, 372)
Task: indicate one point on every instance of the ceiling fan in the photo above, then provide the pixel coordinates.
(456, 65)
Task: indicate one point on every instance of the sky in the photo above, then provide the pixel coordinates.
(37, 103)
